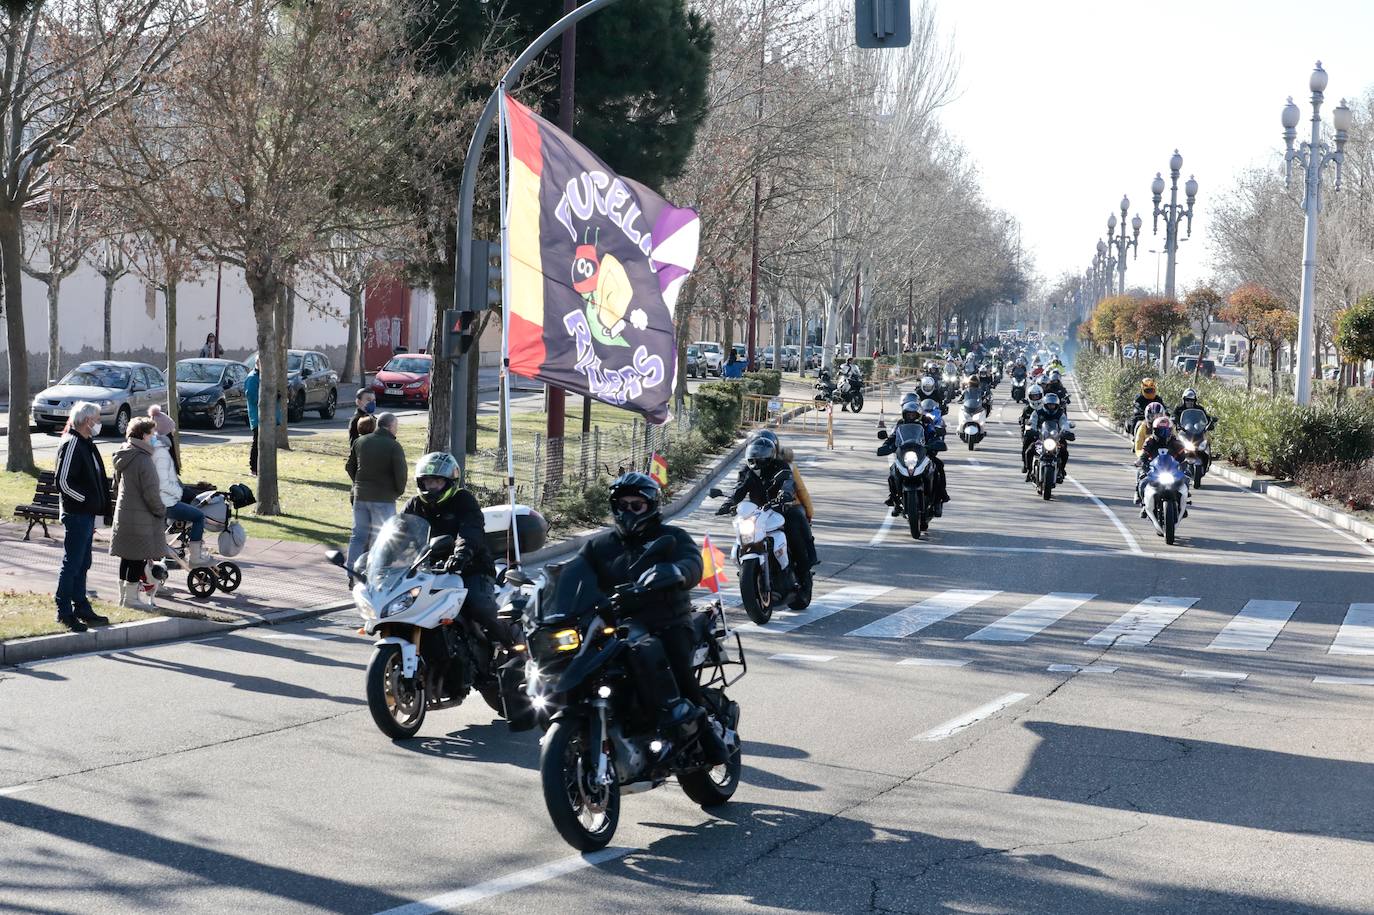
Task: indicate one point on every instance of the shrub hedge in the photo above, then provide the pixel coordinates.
(768, 381)
(1272, 436)
(718, 405)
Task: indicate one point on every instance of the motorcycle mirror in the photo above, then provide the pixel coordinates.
(517, 577)
(335, 556)
(715, 492)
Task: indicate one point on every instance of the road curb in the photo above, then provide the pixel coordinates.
(142, 633)
(1264, 486)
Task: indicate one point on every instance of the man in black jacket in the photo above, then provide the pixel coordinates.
(658, 607)
(84, 493)
(453, 511)
(766, 479)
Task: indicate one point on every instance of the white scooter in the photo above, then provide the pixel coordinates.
(972, 419)
(767, 576)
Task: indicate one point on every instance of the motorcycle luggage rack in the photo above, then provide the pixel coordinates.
(722, 632)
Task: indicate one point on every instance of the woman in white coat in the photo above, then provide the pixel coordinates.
(169, 484)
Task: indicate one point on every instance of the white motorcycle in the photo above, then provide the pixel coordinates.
(767, 577)
(428, 655)
(972, 418)
(1166, 496)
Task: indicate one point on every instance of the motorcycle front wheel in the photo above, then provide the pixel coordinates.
(1170, 521)
(911, 504)
(1047, 477)
(754, 594)
(857, 403)
(397, 708)
(585, 814)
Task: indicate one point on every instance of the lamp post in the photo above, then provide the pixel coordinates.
(1105, 264)
(1172, 213)
(1121, 243)
(1313, 156)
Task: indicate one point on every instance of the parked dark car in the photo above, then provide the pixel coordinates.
(211, 391)
(695, 367)
(405, 379)
(310, 384)
(1208, 370)
(121, 390)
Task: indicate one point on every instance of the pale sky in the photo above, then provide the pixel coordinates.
(1068, 104)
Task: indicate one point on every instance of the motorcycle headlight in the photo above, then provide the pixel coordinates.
(1168, 478)
(910, 459)
(401, 604)
(1189, 446)
(748, 527)
(1051, 444)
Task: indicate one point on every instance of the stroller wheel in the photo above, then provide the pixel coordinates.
(229, 576)
(201, 581)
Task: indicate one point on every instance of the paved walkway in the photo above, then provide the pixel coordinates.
(277, 575)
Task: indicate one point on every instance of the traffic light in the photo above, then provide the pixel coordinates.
(485, 290)
(882, 23)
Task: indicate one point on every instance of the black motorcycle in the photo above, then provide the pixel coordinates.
(1048, 464)
(601, 726)
(911, 474)
(1018, 385)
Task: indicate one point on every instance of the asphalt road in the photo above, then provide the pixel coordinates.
(1041, 708)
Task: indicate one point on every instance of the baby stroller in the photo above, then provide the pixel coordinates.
(221, 517)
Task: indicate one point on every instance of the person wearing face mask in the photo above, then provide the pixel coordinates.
(139, 515)
(83, 493)
(168, 463)
(366, 403)
(453, 511)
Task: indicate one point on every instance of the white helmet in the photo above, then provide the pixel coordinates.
(928, 385)
(1035, 394)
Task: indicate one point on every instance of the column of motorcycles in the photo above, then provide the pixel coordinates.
(571, 677)
(1165, 482)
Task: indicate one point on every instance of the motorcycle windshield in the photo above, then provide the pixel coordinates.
(1165, 469)
(973, 401)
(395, 550)
(1193, 422)
(573, 590)
(1053, 427)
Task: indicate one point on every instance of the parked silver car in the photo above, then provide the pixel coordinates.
(122, 390)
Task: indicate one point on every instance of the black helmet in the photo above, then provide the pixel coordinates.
(627, 486)
(911, 409)
(760, 451)
(436, 465)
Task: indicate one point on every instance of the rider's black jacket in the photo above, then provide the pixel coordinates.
(771, 482)
(1055, 387)
(611, 555)
(458, 516)
(1040, 416)
(1141, 402)
(1197, 405)
(1154, 446)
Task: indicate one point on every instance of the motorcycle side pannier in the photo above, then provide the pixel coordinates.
(531, 528)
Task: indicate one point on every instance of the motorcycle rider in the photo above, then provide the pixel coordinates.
(1052, 412)
(1148, 394)
(1162, 439)
(803, 503)
(1142, 430)
(454, 511)
(1189, 401)
(658, 605)
(933, 417)
(766, 479)
(1054, 384)
(849, 371)
(1035, 399)
(930, 390)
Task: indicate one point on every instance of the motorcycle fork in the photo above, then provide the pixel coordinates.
(603, 759)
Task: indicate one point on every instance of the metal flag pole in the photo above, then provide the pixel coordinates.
(504, 205)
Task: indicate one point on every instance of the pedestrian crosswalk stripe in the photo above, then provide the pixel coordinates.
(1144, 621)
(820, 608)
(918, 616)
(933, 662)
(1213, 675)
(1031, 619)
(1356, 635)
(1255, 627)
(1075, 669)
(802, 658)
(1344, 681)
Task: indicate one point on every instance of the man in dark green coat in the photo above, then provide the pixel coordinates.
(377, 467)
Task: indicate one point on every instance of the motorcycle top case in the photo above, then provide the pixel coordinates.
(531, 529)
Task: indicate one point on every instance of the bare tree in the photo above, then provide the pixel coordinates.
(55, 250)
(112, 263)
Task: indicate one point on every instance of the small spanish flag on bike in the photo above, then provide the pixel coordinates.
(658, 469)
(712, 566)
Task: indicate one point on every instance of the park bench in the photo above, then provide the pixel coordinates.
(45, 505)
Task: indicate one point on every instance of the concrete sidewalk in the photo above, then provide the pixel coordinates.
(282, 580)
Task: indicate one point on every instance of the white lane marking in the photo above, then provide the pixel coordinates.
(305, 637)
(820, 608)
(1031, 619)
(15, 789)
(976, 464)
(1144, 621)
(955, 725)
(1213, 675)
(1356, 635)
(1344, 681)
(1075, 669)
(932, 662)
(1121, 528)
(1255, 627)
(509, 883)
(1331, 528)
(802, 658)
(882, 529)
(918, 616)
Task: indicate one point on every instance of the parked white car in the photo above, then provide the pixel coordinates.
(712, 356)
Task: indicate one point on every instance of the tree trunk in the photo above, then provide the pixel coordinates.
(1273, 371)
(352, 367)
(440, 387)
(169, 299)
(110, 280)
(1249, 366)
(290, 322)
(282, 431)
(264, 290)
(19, 456)
(54, 284)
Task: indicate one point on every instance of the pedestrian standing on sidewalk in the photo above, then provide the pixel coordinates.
(169, 484)
(366, 403)
(84, 496)
(139, 516)
(250, 392)
(377, 467)
(211, 349)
